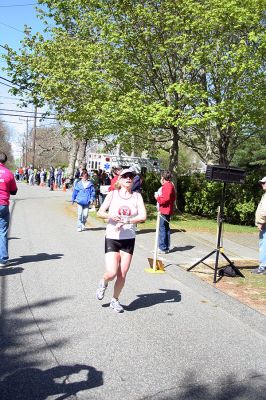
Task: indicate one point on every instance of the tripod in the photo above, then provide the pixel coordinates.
(219, 249)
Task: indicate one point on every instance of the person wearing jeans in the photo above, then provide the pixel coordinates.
(164, 233)
(7, 186)
(83, 194)
(165, 197)
(260, 222)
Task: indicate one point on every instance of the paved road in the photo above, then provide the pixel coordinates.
(179, 338)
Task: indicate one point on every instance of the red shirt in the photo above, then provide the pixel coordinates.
(167, 198)
(7, 185)
(113, 182)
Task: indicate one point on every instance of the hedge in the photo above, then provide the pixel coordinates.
(198, 196)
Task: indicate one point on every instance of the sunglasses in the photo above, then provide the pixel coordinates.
(263, 183)
(127, 176)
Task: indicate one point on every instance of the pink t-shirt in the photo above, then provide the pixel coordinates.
(7, 185)
(124, 208)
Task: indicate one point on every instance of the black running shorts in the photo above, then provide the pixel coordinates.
(115, 245)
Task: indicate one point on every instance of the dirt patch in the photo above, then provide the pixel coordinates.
(250, 290)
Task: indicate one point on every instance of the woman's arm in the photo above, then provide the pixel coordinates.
(142, 214)
(103, 213)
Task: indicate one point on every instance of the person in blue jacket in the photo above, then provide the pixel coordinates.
(83, 194)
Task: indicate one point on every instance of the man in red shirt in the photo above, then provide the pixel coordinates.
(165, 197)
(116, 172)
(7, 187)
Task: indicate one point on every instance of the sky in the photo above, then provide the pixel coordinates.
(14, 14)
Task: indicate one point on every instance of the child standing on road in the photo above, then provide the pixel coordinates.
(83, 194)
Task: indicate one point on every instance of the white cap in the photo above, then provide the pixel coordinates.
(127, 171)
(263, 180)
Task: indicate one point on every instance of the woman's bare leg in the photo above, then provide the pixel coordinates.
(125, 260)
(112, 264)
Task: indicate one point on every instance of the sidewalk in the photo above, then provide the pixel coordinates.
(189, 247)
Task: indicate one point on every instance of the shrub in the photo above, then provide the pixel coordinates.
(198, 196)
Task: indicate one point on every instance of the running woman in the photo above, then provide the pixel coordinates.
(123, 210)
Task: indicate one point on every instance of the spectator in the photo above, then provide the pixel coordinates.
(115, 172)
(17, 175)
(51, 178)
(59, 177)
(21, 174)
(96, 181)
(165, 197)
(77, 176)
(42, 177)
(260, 222)
(26, 174)
(137, 184)
(83, 194)
(38, 176)
(105, 182)
(31, 175)
(7, 187)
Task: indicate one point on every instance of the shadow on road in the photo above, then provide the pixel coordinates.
(226, 387)
(34, 258)
(99, 228)
(37, 384)
(17, 328)
(142, 231)
(11, 271)
(184, 248)
(151, 299)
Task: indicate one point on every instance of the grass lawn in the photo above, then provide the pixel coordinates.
(190, 222)
(250, 290)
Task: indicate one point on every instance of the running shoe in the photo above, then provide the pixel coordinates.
(101, 290)
(115, 305)
(163, 251)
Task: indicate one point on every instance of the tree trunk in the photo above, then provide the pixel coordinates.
(173, 158)
(81, 156)
(72, 159)
(223, 145)
(174, 150)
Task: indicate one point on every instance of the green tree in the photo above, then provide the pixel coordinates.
(251, 154)
(5, 144)
(159, 71)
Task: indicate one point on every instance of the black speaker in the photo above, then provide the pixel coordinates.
(225, 174)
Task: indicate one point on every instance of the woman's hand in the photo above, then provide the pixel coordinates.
(115, 218)
(119, 226)
(260, 226)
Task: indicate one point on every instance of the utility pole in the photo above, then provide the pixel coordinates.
(34, 137)
(26, 142)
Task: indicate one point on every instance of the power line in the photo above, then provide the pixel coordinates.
(12, 27)
(20, 111)
(20, 5)
(12, 103)
(4, 79)
(14, 85)
(5, 84)
(11, 122)
(7, 97)
(26, 116)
